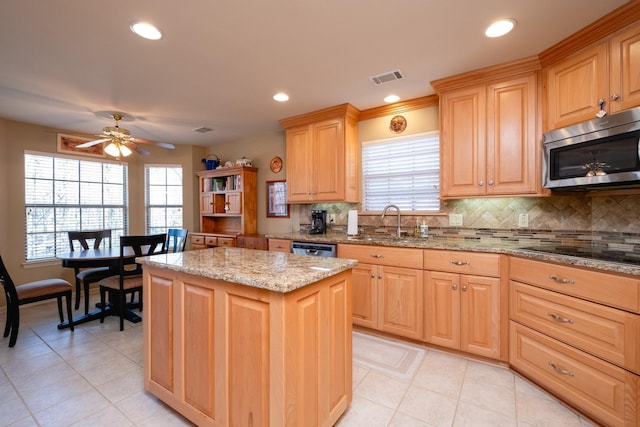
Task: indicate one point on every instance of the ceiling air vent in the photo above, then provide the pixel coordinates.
(202, 129)
(387, 77)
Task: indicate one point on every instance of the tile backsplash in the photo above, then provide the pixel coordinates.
(569, 216)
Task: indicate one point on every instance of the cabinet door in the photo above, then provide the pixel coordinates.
(463, 142)
(206, 203)
(511, 137)
(233, 203)
(400, 301)
(480, 311)
(299, 164)
(574, 85)
(328, 160)
(442, 309)
(625, 70)
(280, 245)
(365, 296)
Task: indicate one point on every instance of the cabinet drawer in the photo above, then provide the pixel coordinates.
(611, 289)
(382, 255)
(462, 262)
(197, 239)
(226, 241)
(602, 331)
(280, 245)
(211, 240)
(602, 390)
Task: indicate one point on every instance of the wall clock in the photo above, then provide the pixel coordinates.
(397, 124)
(276, 164)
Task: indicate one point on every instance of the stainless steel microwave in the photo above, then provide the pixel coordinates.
(602, 153)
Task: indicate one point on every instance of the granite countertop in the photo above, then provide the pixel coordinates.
(462, 244)
(274, 271)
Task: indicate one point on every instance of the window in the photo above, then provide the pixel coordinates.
(404, 171)
(163, 197)
(63, 194)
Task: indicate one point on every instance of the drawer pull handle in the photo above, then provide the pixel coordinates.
(561, 280)
(560, 370)
(559, 319)
(376, 255)
(458, 262)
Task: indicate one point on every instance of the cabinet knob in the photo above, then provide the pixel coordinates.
(379, 276)
(481, 183)
(454, 287)
(615, 97)
(373, 276)
(490, 182)
(464, 288)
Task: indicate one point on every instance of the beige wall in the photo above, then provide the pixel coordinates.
(16, 137)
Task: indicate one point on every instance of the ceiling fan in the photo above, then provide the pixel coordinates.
(121, 143)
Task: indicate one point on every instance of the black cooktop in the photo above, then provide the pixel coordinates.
(591, 252)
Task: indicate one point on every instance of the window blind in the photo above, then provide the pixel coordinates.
(64, 194)
(163, 197)
(404, 171)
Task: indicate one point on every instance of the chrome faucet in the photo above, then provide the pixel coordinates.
(398, 233)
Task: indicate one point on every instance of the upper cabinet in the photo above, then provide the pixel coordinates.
(606, 72)
(323, 156)
(489, 131)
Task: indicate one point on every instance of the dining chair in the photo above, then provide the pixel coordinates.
(176, 239)
(90, 275)
(128, 278)
(31, 292)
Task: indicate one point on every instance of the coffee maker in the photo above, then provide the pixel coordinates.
(318, 222)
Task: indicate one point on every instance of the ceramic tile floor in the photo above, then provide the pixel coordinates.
(59, 378)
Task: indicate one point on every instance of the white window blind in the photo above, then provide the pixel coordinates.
(64, 194)
(163, 197)
(404, 171)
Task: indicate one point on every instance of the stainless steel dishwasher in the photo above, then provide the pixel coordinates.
(314, 249)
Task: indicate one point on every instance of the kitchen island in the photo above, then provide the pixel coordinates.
(244, 337)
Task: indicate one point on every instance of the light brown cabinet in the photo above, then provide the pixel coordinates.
(322, 150)
(607, 71)
(489, 139)
(575, 332)
(280, 245)
(228, 206)
(387, 295)
(464, 310)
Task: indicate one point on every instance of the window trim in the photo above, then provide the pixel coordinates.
(147, 206)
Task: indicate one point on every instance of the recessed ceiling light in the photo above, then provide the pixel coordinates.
(281, 97)
(500, 28)
(146, 30)
(391, 98)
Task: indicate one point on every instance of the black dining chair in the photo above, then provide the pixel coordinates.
(91, 275)
(129, 274)
(31, 292)
(176, 239)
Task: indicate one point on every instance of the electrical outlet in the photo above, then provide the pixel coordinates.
(455, 220)
(332, 218)
(523, 220)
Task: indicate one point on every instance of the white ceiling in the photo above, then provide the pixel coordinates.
(68, 63)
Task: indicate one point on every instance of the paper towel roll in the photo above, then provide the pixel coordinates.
(352, 222)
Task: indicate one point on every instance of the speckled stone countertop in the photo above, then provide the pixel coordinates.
(274, 271)
(461, 244)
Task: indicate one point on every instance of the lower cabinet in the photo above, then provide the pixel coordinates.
(280, 245)
(463, 312)
(387, 297)
(205, 240)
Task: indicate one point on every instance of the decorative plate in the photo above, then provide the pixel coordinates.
(398, 124)
(276, 164)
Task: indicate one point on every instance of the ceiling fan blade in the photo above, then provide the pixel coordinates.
(92, 143)
(134, 147)
(159, 144)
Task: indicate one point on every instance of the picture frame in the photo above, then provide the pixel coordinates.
(277, 206)
(67, 144)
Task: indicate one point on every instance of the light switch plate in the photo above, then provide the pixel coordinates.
(523, 220)
(455, 220)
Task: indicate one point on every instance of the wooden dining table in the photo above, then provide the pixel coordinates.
(91, 258)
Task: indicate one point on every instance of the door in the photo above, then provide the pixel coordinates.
(463, 142)
(511, 137)
(299, 164)
(442, 309)
(625, 70)
(328, 160)
(233, 203)
(400, 301)
(480, 311)
(365, 295)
